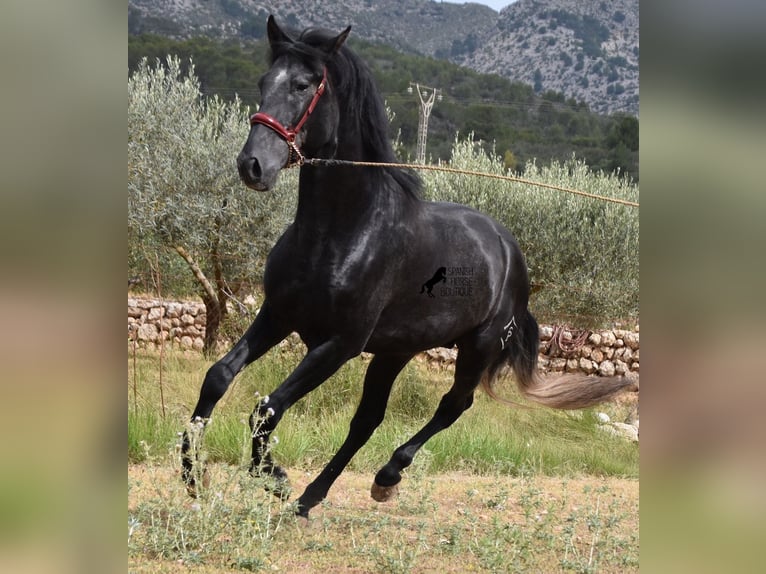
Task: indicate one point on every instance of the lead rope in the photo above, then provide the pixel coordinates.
(316, 162)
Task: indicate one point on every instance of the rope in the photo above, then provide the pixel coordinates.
(558, 343)
(343, 162)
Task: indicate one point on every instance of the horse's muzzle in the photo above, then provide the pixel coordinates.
(251, 173)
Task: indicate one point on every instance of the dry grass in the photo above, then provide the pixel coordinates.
(454, 522)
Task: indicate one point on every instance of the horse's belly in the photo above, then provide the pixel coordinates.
(426, 323)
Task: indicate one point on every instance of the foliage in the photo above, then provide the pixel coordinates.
(503, 114)
(587, 29)
(582, 253)
(184, 193)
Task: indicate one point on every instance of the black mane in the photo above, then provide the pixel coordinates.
(364, 113)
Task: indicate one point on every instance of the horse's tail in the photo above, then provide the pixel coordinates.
(566, 391)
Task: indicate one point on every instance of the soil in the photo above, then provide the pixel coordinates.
(427, 507)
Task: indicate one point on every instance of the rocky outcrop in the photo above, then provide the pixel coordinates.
(588, 51)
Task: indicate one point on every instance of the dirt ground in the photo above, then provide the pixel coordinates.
(453, 522)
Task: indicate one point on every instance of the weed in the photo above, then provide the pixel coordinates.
(232, 515)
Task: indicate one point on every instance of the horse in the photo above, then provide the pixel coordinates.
(346, 274)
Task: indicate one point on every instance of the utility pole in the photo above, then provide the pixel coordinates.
(426, 95)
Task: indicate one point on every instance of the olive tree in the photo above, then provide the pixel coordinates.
(184, 193)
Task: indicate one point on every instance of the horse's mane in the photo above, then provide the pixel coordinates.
(364, 113)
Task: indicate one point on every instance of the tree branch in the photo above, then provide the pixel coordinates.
(194, 266)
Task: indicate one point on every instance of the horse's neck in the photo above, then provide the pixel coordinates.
(331, 196)
(341, 200)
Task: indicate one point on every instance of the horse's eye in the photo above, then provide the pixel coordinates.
(301, 87)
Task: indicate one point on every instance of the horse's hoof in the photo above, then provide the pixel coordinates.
(301, 515)
(383, 493)
(274, 480)
(279, 488)
(278, 485)
(191, 486)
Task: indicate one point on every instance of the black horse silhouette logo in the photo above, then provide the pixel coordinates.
(439, 277)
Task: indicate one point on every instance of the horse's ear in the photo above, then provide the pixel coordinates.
(332, 47)
(275, 33)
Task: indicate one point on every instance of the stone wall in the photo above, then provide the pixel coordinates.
(608, 352)
(182, 324)
(605, 352)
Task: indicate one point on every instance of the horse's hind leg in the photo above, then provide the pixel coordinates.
(259, 338)
(469, 369)
(378, 381)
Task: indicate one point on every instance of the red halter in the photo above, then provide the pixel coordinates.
(289, 134)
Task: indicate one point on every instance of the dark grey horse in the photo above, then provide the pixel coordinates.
(347, 274)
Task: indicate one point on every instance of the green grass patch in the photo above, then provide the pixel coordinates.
(489, 438)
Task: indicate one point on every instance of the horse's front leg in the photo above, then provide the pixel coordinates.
(316, 367)
(259, 338)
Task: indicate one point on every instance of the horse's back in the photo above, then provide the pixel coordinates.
(450, 214)
(464, 236)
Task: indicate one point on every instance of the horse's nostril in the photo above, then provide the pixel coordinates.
(254, 168)
(249, 169)
(251, 173)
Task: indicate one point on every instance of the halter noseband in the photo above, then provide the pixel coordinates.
(295, 157)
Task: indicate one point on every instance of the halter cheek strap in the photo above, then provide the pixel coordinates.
(289, 134)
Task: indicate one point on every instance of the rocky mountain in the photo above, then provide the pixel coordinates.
(585, 49)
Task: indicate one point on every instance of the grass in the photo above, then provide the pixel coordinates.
(504, 489)
(452, 523)
(489, 438)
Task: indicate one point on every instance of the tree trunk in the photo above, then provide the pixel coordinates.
(215, 302)
(216, 311)
(214, 299)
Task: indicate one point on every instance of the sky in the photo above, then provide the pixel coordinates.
(496, 5)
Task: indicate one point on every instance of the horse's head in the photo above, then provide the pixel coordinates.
(298, 110)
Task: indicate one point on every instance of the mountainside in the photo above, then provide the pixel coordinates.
(585, 49)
